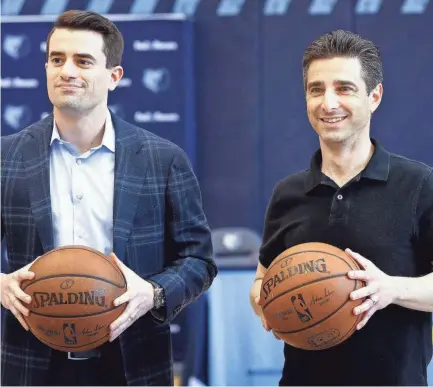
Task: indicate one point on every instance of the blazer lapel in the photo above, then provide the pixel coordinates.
(130, 171)
(36, 157)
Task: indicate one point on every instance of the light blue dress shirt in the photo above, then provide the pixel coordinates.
(82, 191)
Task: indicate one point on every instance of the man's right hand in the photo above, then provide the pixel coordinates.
(12, 296)
(255, 297)
(264, 322)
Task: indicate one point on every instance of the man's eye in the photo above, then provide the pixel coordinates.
(84, 62)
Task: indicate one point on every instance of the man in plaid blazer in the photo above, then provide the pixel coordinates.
(158, 233)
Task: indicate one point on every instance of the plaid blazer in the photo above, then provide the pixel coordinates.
(160, 232)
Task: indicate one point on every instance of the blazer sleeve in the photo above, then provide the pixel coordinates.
(424, 211)
(7, 143)
(190, 267)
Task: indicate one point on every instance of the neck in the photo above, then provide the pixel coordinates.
(85, 131)
(343, 161)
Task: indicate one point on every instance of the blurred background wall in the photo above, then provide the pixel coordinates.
(246, 111)
(223, 79)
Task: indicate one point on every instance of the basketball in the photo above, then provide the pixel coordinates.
(72, 298)
(305, 296)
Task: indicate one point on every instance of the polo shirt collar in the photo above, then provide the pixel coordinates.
(376, 169)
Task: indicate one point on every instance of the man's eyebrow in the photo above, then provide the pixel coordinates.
(338, 82)
(56, 53)
(314, 84)
(79, 55)
(84, 55)
(342, 82)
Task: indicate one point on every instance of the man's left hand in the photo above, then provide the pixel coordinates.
(139, 296)
(379, 289)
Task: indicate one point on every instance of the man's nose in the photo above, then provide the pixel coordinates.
(330, 101)
(69, 70)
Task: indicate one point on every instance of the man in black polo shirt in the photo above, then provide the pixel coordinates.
(357, 196)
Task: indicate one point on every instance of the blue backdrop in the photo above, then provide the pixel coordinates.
(251, 123)
(157, 91)
(231, 94)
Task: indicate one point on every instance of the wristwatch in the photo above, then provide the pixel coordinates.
(158, 297)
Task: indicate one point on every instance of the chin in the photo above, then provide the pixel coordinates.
(334, 137)
(69, 108)
(71, 103)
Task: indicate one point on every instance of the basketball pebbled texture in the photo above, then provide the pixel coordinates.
(305, 296)
(72, 298)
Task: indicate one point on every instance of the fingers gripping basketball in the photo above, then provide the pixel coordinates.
(305, 296)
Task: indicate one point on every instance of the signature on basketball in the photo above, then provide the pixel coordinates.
(92, 332)
(48, 332)
(284, 314)
(322, 299)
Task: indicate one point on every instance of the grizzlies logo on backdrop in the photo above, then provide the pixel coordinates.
(16, 46)
(17, 116)
(156, 80)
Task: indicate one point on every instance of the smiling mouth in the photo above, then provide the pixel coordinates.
(333, 120)
(69, 87)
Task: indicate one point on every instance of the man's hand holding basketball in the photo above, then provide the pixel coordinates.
(12, 297)
(264, 322)
(380, 289)
(139, 296)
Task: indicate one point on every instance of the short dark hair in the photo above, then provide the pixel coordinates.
(92, 21)
(346, 44)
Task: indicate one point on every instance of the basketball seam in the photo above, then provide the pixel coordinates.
(357, 267)
(105, 258)
(350, 330)
(348, 333)
(311, 251)
(300, 286)
(323, 319)
(73, 275)
(78, 315)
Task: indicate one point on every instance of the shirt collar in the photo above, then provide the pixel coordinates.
(376, 169)
(108, 140)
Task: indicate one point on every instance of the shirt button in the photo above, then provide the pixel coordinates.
(80, 236)
(339, 197)
(79, 196)
(78, 161)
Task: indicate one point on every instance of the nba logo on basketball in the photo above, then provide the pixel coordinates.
(69, 334)
(301, 308)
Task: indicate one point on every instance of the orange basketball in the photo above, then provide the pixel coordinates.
(305, 296)
(72, 298)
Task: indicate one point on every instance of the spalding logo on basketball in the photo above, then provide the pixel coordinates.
(72, 298)
(305, 296)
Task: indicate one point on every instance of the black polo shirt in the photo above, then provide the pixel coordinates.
(385, 214)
